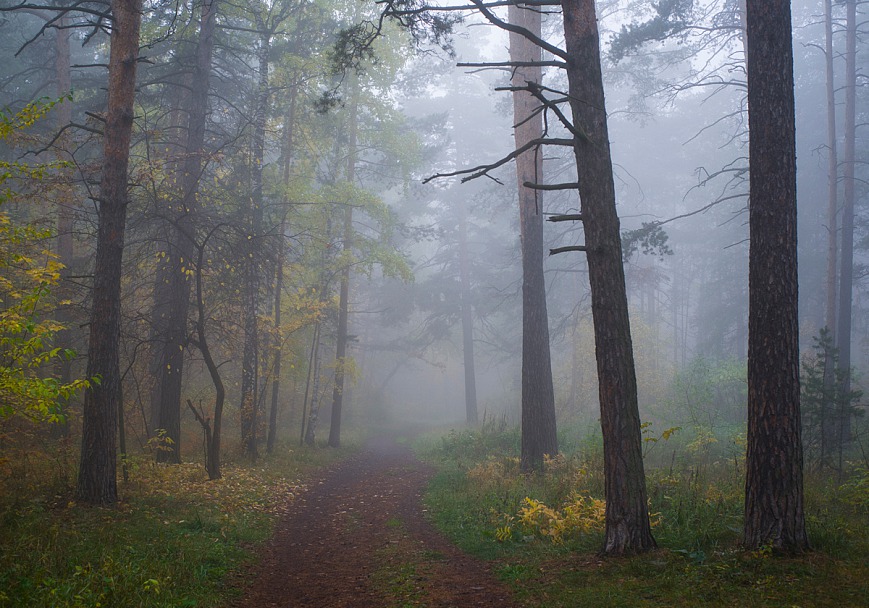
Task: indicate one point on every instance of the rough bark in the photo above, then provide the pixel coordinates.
(627, 518)
(471, 414)
(538, 396)
(97, 478)
(774, 483)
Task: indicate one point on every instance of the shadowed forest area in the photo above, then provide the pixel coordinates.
(387, 303)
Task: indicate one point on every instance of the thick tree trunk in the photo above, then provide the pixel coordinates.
(774, 476)
(250, 355)
(471, 414)
(627, 516)
(539, 436)
(97, 478)
(846, 279)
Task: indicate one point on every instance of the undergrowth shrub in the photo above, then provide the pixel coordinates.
(695, 496)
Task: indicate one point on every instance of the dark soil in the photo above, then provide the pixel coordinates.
(358, 537)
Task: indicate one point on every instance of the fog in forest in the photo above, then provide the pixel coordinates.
(295, 134)
(425, 301)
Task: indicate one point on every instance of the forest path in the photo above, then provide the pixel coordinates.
(358, 537)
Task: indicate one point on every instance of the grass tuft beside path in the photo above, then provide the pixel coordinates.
(174, 540)
(542, 532)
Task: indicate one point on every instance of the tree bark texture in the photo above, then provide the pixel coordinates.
(627, 517)
(250, 355)
(774, 479)
(471, 414)
(97, 478)
(846, 278)
(538, 396)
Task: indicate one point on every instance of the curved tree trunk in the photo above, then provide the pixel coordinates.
(627, 516)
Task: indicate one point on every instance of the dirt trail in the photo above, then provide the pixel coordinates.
(358, 537)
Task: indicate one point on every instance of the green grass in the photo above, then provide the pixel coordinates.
(173, 540)
(698, 507)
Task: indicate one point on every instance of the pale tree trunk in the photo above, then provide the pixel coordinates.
(344, 296)
(538, 397)
(829, 419)
(314, 416)
(250, 355)
(276, 367)
(279, 275)
(774, 459)
(97, 477)
(846, 278)
(627, 517)
(471, 414)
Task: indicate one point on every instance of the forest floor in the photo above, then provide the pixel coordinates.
(359, 536)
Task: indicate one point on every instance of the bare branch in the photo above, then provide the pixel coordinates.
(558, 250)
(481, 6)
(483, 170)
(567, 186)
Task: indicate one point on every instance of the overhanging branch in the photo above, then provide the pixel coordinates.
(481, 170)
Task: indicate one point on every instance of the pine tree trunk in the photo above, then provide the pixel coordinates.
(774, 481)
(97, 478)
(539, 436)
(627, 518)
